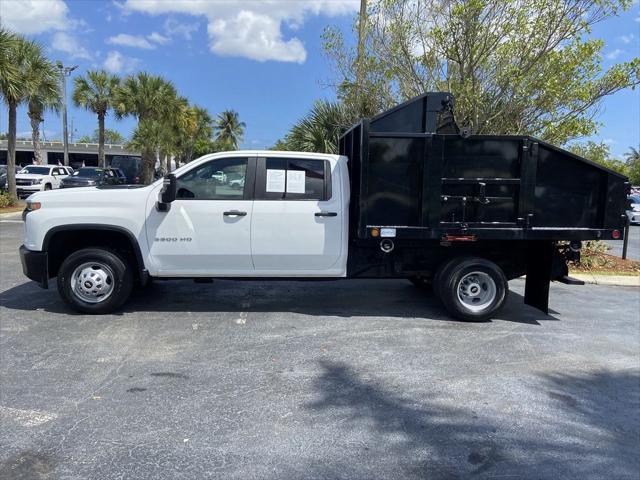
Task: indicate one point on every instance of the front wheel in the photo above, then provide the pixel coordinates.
(94, 280)
(473, 289)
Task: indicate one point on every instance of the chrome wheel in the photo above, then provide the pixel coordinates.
(477, 291)
(92, 282)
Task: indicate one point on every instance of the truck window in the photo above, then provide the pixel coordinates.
(216, 180)
(294, 179)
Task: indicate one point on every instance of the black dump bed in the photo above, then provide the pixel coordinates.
(411, 169)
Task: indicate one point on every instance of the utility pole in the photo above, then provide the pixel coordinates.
(64, 73)
(362, 19)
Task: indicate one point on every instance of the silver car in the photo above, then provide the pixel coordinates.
(633, 208)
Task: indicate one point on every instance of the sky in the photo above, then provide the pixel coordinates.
(262, 58)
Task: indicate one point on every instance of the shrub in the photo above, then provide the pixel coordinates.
(6, 200)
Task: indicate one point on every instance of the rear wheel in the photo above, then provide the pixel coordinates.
(473, 289)
(94, 280)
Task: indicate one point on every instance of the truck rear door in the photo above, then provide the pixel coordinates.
(299, 222)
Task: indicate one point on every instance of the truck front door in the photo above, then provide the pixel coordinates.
(206, 232)
(298, 227)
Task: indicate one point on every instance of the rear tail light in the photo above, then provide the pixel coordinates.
(615, 234)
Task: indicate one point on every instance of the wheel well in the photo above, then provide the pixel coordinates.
(63, 243)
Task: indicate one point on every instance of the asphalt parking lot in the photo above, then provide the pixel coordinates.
(315, 380)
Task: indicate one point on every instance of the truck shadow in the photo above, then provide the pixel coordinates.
(578, 425)
(349, 298)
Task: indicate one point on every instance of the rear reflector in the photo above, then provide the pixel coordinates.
(615, 234)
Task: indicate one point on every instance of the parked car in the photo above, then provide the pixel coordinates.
(130, 166)
(633, 209)
(93, 176)
(408, 197)
(3, 176)
(36, 178)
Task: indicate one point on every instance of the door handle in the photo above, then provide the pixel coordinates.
(326, 214)
(234, 213)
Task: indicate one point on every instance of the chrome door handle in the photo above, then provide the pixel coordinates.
(326, 214)
(234, 213)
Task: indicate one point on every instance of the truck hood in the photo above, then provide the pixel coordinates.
(29, 176)
(94, 197)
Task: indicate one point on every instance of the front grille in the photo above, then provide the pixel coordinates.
(23, 182)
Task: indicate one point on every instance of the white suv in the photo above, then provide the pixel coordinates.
(35, 178)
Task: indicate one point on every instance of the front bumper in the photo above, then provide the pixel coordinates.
(28, 189)
(35, 266)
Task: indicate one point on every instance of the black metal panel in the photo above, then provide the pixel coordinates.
(617, 189)
(418, 115)
(481, 157)
(567, 191)
(394, 181)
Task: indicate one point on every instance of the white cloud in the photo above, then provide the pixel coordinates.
(173, 27)
(118, 63)
(256, 37)
(135, 41)
(63, 42)
(627, 39)
(158, 38)
(251, 28)
(34, 16)
(612, 55)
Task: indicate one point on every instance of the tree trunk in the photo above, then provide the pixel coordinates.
(35, 136)
(168, 164)
(11, 152)
(101, 159)
(148, 164)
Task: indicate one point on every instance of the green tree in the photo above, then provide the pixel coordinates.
(600, 154)
(229, 129)
(95, 93)
(514, 66)
(15, 52)
(112, 137)
(194, 135)
(150, 99)
(43, 93)
(319, 130)
(633, 164)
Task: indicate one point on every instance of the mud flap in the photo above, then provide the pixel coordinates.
(544, 263)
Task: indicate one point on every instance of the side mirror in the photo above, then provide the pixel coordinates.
(168, 192)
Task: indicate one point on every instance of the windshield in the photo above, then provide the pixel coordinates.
(36, 170)
(88, 172)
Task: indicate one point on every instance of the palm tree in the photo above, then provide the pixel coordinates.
(229, 129)
(95, 93)
(320, 129)
(43, 92)
(633, 155)
(14, 53)
(150, 99)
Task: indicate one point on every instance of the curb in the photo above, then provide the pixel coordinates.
(613, 280)
(12, 215)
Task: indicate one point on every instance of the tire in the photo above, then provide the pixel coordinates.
(47, 187)
(440, 274)
(106, 285)
(473, 289)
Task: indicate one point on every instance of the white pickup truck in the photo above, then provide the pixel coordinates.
(36, 178)
(408, 198)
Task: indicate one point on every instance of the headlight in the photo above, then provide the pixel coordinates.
(36, 181)
(31, 205)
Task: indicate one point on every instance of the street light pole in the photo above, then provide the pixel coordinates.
(64, 73)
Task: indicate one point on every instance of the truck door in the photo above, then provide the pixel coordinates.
(298, 225)
(206, 232)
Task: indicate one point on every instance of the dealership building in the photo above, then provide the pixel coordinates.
(53, 152)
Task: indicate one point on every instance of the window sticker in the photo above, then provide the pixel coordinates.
(295, 181)
(275, 180)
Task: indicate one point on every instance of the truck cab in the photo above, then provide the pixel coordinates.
(233, 214)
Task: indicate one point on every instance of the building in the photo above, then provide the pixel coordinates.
(79, 153)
